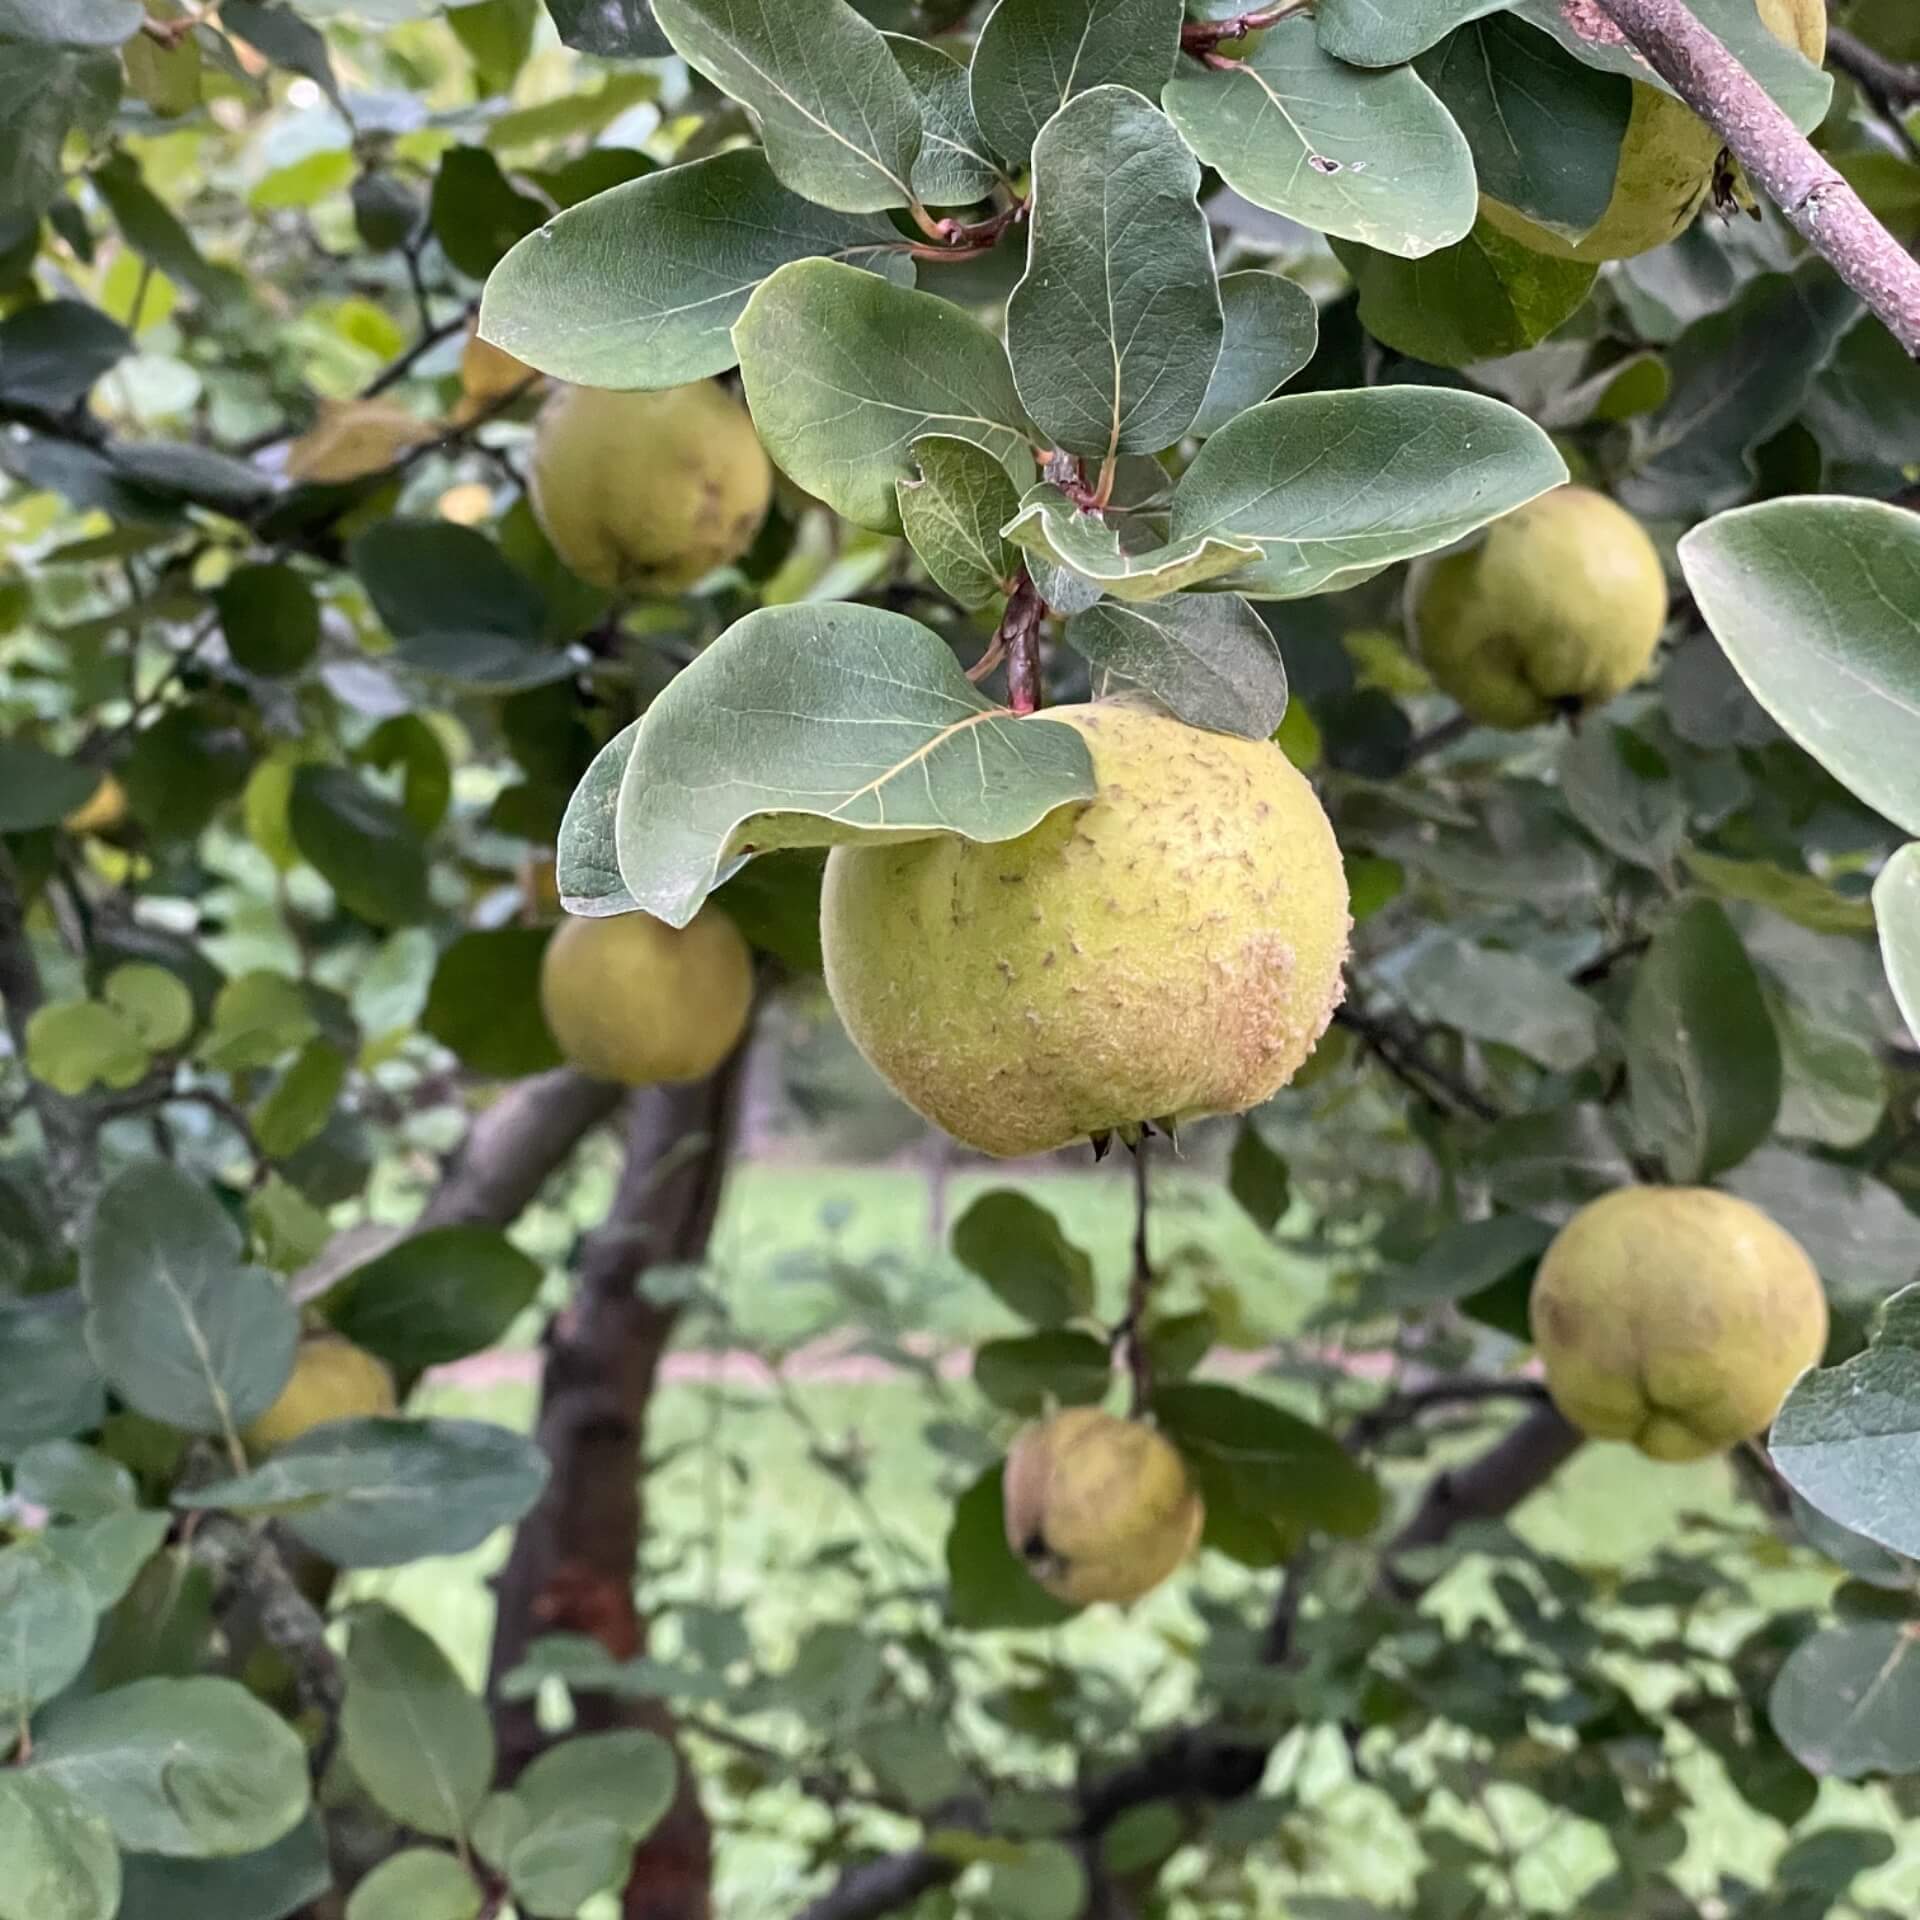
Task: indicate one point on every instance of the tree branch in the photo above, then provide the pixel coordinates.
(1817, 201)
(1891, 86)
(1406, 1058)
(515, 1144)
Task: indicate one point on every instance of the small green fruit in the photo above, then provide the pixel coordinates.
(1099, 1508)
(1557, 608)
(634, 1000)
(1675, 1318)
(649, 492)
(332, 1380)
(1171, 948)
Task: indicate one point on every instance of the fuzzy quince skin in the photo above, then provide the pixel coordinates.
(332, 1379)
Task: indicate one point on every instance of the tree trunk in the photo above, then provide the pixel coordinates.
(574, 1559)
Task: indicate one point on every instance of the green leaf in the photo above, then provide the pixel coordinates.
(45, 93)
(816, 725)
(1854, 1228)
(74, 1045)
(363, 845)
(586, 865)
(562, 1863)
(182, 1329)
(1484, 298)
(71, 1481)
(1847, 1702)
(1017, 1247)
(953, 167)
(416, 1738)
(485, 1002)
(1545, 129)
(1817, 604)
(1465, 1260)
(48, 1610)
(1848, 1438)
(1257, 1178)
(270, 618)
(189, 1768)
(1833, 1085)
(378, 1493)
(952, 514)
(62, 1863)
(1272, 328)
(1334, 487)
(71, 23)
(1115, 327)
(38, 788)
(1097, 548)
(1610, 788)
(626, 1778)
(616, 29)
(640, 286)
(476, 213)
(988, 1586)
(1040, 1880)
(420, 1884)
(156, 1004)
(1026, 1374)
(53, 353)
(1033, 56)
(108, 1553)
(840, 122)
(302, 1101)
(258, 1019)
(844, 372)
(1896, 903)
(1206, 657)
(49, 1386)
(455, 605)
(1506, 998)
(1370, 156)
(1804, 899)
(437, 1296)
(1366, 34)
(498, 35)
(1703, 1061)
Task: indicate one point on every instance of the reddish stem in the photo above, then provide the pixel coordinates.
(1019, 636)
(950, 239)
(1200, 37)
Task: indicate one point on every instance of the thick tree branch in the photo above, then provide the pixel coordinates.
(1816, 200)
(516, 1144)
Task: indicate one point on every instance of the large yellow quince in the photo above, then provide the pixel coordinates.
(1556, 608)
(332, 1380)
(634, 1000)
(1667, 159)
(1099, 1508)
(649, 492)
(1171, 948)
(1675, 1318)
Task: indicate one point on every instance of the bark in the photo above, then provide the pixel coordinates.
(574, 1558)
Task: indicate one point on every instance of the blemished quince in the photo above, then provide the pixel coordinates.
(649, 492)
(1667, 160)
(101, 811)
(332, 1380)
(634, 1000)
(1099, 1508)
(1169, 949)
(1557, 608)
(1675, 1318)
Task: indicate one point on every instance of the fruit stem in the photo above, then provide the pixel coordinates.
(1200, 37)
(1139, 1361)
(1018, 636)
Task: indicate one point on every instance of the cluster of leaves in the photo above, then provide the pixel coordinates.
(271, 569)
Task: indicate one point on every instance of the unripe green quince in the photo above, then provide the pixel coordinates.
(332, 1379)
(1675, 1318)
(649, 492)
(1170, 948)
(1099, 1508)
(1667, 158)
(1556, 608)
(634, 1000)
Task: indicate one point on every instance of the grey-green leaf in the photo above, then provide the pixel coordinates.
(1207, 657)
(108, 1552)
(819, 725)
(953, 167)
(46, 1628)
(585, 869)
(1114, 330)
(1848, 1438)
(435, 1296)
(1847, 1702)
(1333, 487)
(183, 1330)
(840, 122)
(952, 513)
(62, 1863)
(1033, 56)
(273, 1883)
(1123, 556)
(1386, 33)
(417, 1738)
(378, 1493)
(1272, 328)
(1060, 1365)
(1703, 1061)
(49, 1385)
(1370, 156)
(627, 1777)
(844, 373)
(1817, 604)
(640, 286)
(563, 1862)
(1896, 905)
(192, 1768)
(419, 1884)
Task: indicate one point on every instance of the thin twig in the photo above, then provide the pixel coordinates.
(1140, 1284)
(1812, 193)
(1892, 87)
(1406, 1058)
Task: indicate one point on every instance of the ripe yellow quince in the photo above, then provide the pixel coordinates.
(332, 1380)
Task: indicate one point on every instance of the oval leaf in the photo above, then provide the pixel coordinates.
(1019, 1249)
(1097, 548)
(1207, 657)
(952, 514)
(48, 1610)
(1272, 328)
(1847, 1702)
(435, 1297)
(1036, 1370)
(420, 1884)
(62, 1863)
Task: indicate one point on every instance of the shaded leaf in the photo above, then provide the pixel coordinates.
(987, 1584)
(1271, 330)
(1027, 1374)
(1207, 657)
(953, 512)
(62, 1863)
(1847, 1702)
(363, 845)
(48, 1611)
(437, 1296)
(1018, 1248)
